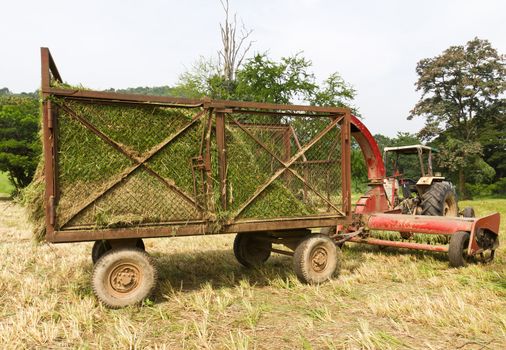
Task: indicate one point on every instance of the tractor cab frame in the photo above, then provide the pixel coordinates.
(396, 159)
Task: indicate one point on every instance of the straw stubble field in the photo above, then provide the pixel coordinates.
(385, 299)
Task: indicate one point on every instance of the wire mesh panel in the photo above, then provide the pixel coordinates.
(126, 164)
(283, 166)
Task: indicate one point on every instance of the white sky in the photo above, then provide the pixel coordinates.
(374, 45)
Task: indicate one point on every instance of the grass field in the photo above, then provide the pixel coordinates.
(382, 299)
(6, 186)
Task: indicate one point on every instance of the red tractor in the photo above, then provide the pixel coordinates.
(413, 187)
(427, 205)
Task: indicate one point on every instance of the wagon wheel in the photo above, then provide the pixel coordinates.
(124, 276)
(316, 259)
(457, 251)
(252, 249)
(103, 246)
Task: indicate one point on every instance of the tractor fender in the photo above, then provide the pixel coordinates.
(428, 180)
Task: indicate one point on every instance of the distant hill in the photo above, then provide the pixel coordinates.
(140, 90)
(6, 92)
(146, 90)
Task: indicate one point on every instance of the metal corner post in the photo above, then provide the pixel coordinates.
(49, 146)
(346, 163)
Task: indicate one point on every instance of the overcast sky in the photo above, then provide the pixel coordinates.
(374, 45)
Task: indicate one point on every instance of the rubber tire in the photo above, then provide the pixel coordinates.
(302, 259)
(249, 251)
(433, 200)
(468, 212)
(109, 261)
(458, 244)
(103, 246)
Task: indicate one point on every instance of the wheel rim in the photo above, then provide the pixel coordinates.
(124, 279)
(319, 257)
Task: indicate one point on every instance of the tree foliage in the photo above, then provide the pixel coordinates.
(19, 141)
(259, 78)
(462, 96)
(335, 92)
(262, 79)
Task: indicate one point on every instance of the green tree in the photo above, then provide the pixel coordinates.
(202, 79)
(335, 92)
(19, 141)
(264, 80)
(492, 137)
(462, 90)
(5, 92)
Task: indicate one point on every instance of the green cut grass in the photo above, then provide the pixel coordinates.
(87, 166)
(6, 187)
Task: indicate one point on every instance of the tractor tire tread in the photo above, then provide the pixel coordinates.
(433, 200)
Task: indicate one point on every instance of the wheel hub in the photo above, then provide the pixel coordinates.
(319, 259)
(124, 278)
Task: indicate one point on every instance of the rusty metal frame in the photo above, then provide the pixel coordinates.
(286, 165)
(216, 112)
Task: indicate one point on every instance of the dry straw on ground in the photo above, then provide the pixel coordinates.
(386, 299)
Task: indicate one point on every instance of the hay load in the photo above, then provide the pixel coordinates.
(133, 164)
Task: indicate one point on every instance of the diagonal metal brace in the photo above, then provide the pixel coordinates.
(138, 162)
(286, 164)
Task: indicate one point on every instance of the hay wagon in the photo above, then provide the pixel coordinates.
(122, 167)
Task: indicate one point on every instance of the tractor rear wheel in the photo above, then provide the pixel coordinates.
(252, 249)
(440, 200)
(457, 251)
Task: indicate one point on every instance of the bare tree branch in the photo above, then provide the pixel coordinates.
(233, 52)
